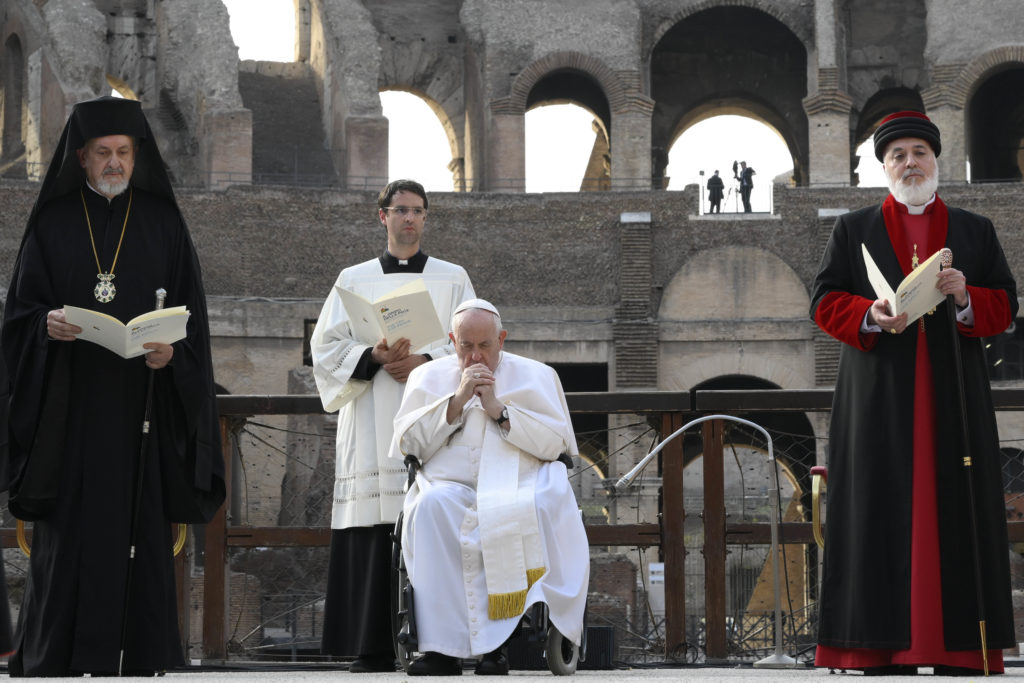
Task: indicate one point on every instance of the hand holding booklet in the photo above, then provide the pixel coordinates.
(916, 295)
(165, 325)
(404, 312)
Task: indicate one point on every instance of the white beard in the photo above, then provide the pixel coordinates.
(917, 193)
(112, 189)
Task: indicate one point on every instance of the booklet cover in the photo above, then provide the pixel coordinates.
(407, 311)
(165, 325)
(916, 295)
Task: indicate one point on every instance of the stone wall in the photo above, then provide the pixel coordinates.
(552, 262)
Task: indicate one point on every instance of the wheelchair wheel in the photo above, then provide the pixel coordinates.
(561, 653)
(403, 624)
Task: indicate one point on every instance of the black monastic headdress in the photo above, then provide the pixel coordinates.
(98, 118)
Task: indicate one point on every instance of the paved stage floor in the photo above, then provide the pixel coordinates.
(289, 674)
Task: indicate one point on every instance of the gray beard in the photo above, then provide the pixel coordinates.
(111, 189)
(916, 194)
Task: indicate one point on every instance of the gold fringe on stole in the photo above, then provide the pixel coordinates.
(533, 575)
(506, 605)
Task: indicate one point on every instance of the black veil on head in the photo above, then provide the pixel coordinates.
(98, 118)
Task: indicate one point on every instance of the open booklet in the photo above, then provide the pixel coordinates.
(404, 312)
(165, 325)
(916, 295)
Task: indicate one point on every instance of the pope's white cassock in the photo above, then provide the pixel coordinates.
(491, 523)
(368, 487)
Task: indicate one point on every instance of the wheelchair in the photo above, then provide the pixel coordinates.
(560, 653)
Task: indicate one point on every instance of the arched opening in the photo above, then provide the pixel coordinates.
(566, 150)
(418, 147)
(567, 124)
(718, 142)
(996, 127)
(12, 140)
(729, 60)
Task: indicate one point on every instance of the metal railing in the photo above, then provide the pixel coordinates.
(246, 610)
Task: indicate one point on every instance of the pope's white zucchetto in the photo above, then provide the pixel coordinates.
(482, 304)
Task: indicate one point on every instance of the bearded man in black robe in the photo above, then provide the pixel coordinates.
(105, 209)
(898, 586)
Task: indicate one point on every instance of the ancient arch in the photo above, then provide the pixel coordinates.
(994, 111)
(793, 23)
(454, 139)
(704, 65)
(729, 284)
(519, 97)
(12, 143)
(561, 77)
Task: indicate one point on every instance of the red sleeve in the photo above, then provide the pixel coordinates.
(840, 314)
(991, 312)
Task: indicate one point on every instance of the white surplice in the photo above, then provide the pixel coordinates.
(369, 488)
(443, 538)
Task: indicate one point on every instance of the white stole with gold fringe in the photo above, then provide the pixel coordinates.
(509, 532)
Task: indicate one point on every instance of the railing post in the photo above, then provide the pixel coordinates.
(714, 542)
(215, 564)
(673, 544)
(183, 585)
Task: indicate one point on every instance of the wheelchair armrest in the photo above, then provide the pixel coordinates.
(566, 460)
(412, 464)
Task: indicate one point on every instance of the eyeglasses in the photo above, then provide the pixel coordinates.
(407, 210)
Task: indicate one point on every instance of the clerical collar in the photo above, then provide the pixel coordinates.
(916, 210)
(390, 264)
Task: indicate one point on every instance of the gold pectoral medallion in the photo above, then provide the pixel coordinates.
(105, 290)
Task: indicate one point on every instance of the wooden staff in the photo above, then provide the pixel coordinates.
(161, 294)
(947, 262)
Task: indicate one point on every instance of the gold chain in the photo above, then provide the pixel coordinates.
(92, 241)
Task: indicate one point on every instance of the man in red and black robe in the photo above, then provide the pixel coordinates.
(898, 586)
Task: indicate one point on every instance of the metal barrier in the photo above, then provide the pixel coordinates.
(258, 592)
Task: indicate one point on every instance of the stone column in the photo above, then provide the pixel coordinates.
(35, 156)
(226, 147)
(366, 152)
(631, 145)
(828, 137)
(828, 107)
(952, 127)
(505, 161)
(944, 102)
(303, 24)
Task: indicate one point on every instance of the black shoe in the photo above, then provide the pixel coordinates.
(435, 664)
(365, 664)
(493, 664)
(891, 670)
(942, 670)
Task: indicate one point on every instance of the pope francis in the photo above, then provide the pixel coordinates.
(491, 523)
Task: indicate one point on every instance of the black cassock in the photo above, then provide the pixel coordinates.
(865, 597)
(77, 409)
